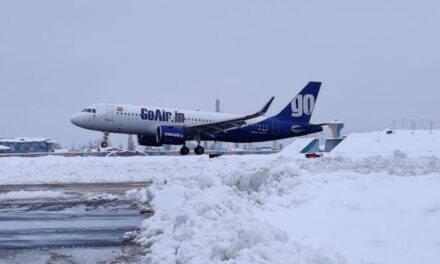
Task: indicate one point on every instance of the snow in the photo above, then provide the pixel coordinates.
(4, 147)
(55, 169)
(295, 148)
(278, 209)
(385, 219)
(368, 203)
(24, 139)
(414, 143)
(32, 195)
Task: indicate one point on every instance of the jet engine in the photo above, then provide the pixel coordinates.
(145, 140)
(170, 135)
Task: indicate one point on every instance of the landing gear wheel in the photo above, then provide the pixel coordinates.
(184, 151)
(199, 150)
(104, 142)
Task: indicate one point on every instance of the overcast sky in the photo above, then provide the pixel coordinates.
(378, 60)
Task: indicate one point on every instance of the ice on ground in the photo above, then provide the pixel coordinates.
(32, 195)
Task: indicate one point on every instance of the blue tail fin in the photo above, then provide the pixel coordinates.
(300, 109)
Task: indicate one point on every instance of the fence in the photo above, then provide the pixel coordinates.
(415, 124)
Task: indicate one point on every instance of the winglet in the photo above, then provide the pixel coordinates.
(266, 107)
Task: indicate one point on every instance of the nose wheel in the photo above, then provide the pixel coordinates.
(104, 142)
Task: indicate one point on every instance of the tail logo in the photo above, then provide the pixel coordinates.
(303, 105)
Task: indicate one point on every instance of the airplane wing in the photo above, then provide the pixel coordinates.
(212, 128)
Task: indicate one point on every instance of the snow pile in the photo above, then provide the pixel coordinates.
(208, 219)
(276, 209)
(413, 143)
(32, 195)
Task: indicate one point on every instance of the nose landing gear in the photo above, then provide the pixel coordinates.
(104, 142)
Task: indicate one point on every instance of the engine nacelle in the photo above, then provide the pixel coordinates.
(144, 140)
(170, 135)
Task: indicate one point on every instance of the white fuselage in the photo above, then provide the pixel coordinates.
(142, 120)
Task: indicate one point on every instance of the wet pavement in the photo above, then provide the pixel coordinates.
(68, 223)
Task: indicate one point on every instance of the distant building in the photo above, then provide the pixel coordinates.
(26, 145)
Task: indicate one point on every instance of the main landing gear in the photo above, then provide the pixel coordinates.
(184, 151)
(104, 142)
(199, 150)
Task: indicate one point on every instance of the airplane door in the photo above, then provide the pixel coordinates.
(109, 111)
(276, 127)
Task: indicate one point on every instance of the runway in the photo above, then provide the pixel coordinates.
(81, 223)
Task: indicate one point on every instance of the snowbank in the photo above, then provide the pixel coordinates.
(413, 143)
(276, 209)
(205, 215)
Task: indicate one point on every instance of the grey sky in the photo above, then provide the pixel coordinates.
(378, 60)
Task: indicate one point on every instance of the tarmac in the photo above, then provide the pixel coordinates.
(86, 226)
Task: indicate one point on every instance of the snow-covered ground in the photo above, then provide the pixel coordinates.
(31, 195)
(281, 208)
(413, 143)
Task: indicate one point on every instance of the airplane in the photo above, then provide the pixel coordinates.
(157, 126)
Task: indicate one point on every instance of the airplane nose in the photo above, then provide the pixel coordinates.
(76, 120)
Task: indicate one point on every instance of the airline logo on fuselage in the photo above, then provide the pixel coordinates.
(162, 115)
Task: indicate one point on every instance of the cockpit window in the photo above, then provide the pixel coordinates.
(89, 110)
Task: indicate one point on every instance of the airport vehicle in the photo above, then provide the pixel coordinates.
(157, 126)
